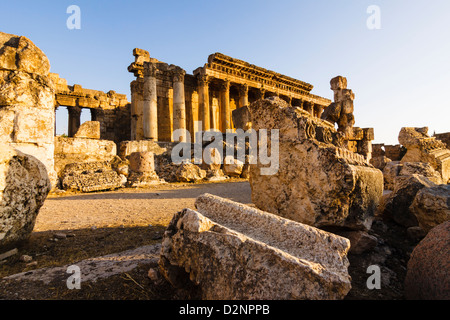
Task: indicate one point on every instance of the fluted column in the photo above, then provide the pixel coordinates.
(150, 105)
(203, 101)
(243, 92)
(225, 105)
(179, 103)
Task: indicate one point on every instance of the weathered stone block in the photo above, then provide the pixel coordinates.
(423, 148)
(78, 150)
(317, 183)
(27, 100)
(24, 185)
(232, 251)
(427, 272)
(91, 177)
(142, 162)
(431, 206)
(89, 130)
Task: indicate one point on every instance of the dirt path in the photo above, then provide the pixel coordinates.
(131, 207)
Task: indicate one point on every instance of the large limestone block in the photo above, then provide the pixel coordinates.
(232, 251)
(91, 177)
(317, 183)
(431, 206)
(24, 185)
(27, 99)
(78, 150)
(89, 130)
(427, 276)
(19, 53)
(423, 148)
(397, 204)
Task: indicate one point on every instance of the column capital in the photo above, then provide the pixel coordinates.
(203, 80)
(243, 89)
(137, 86)
(178, 74)
(225, 85)
(150, 69)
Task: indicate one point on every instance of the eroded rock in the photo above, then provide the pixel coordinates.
(317, 183)
(427, 272)
(232, 251)
(24, 186)
(423, 148)
(431, 206)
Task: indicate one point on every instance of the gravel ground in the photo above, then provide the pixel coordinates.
(131, 207)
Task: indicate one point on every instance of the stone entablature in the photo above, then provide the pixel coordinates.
(165, 98)
(77, 96)
(222, 67)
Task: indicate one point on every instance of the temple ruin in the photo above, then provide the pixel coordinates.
(165, 98)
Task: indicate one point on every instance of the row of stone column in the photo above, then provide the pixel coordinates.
(150, 103)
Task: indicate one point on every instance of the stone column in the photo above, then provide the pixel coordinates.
(309, 107)
(260, 94)
(179, 103)
(150, 105)
(203, 101)
(74, 120)
(137, 101)
(243, 92)
(318, 110)
(225, 105)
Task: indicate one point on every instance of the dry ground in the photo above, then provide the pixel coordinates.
(104, 223)
(110, 222)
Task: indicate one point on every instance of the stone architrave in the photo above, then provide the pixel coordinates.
(317, 183)
(234, 252)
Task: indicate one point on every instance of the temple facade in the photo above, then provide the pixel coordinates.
(165, 98)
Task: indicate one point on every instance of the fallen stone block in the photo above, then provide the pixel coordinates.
(431, 206)
(318, 182)
(231, 251)
(89, 130)
(423, 148)
(91, 177)
(24, 186)
(397, 204)
(427, 271)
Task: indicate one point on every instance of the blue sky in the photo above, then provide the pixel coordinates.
(400, 73)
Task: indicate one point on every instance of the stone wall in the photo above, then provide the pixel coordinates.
(444, 137)
(27, 100)
(80, 150)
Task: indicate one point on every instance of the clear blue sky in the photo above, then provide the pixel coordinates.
(399, 73)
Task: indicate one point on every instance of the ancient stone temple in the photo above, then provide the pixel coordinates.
(110, 109)
(165, 98)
